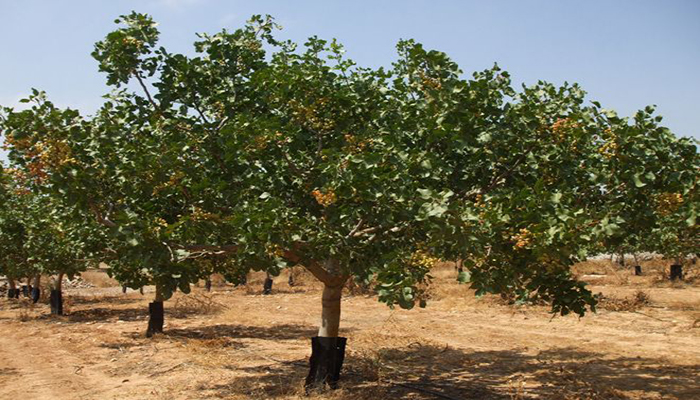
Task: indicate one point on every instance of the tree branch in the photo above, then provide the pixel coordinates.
(355, 229)
(316, 269)
(507, 172)
(103, 220)
(148, 94)
(201, 114)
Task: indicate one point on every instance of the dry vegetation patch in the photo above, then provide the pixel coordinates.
(633, 303)
(234, 343)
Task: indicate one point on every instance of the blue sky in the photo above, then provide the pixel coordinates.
(625, 53)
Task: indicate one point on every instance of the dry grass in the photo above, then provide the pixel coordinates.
(200, 303)
(637, 301)
(234, 343)
(98, 278)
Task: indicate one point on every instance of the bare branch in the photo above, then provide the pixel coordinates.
(201, 114)
(101, 219)
(148, 94)
(355, 229)
(376, 229)
(221, 124)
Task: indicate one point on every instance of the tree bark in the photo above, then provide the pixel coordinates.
(156, 315)
(327, 349)
(330, 311)
(56, 298)
(59, 282)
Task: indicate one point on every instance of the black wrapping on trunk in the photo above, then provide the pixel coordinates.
(56, 301)
(676, 272)
(637, 270)
(207, 285)
(267, 286)
(36, 294)
(25, 290)
(327, 355)
(156, 318)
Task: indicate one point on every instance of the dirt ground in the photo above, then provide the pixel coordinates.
(233, 343)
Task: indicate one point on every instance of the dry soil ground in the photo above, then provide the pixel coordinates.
(237, 344)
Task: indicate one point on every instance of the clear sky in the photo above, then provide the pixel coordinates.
(625, 53)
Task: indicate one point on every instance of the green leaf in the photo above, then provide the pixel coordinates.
(425, 193)
(436, 210)
(556, 198)
(184, 287)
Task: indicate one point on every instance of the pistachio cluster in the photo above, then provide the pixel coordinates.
(667, 203)
(324, 199)
(422, 258)
(523, 239)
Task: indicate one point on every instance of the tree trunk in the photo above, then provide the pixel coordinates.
(56, 298)
(156, 316)
(676, 272)
(290, 280)
(327, 349)
(12, 292)
(36, 290)
(330, 311)
(207, 284)
(267, 286)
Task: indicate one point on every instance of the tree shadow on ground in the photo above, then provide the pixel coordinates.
(272, 332)
(113, 310)
(100, 314)
(8, 371)
(433, 372)
(102, 299)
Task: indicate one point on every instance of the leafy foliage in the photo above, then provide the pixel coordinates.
(254, 153)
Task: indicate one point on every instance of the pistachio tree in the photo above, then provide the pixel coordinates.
(652, 188)
(263, 155)
(40, 237)
(13, 256)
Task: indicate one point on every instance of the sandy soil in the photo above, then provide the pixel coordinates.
(236, 344)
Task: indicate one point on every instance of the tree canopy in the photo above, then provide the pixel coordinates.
(269, 154)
